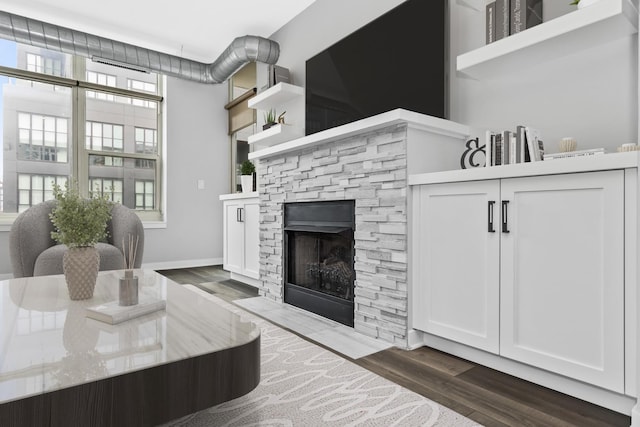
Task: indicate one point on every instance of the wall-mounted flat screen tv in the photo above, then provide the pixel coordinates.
(396, 61)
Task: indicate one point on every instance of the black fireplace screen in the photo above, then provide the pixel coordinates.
(319, 258)
(322, 262)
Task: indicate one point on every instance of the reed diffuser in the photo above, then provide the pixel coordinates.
(128, 294)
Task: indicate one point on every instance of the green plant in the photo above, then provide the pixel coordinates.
(270, 116)
(79, 221)
(574, 2)
(247, 168)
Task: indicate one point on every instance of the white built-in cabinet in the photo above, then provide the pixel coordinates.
(241, 237)
(456, 264)
(530, 268)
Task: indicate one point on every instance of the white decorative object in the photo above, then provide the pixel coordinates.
(128, 289)
(628, 147)
(568, 144)
(247, 183)
(114, 313)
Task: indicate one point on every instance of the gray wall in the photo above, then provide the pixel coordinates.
(197, 148)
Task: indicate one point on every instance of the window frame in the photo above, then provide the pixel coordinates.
(79, 158)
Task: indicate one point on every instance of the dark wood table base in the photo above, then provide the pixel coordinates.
(147, 397)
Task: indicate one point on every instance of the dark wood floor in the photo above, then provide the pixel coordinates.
(486, 396)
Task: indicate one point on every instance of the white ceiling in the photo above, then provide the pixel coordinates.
(195, 29)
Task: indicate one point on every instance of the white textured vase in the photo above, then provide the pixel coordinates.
(247, 183)
(80, 266)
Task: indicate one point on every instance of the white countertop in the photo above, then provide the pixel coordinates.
(550, 167)
(421, 121)
(238, 196)
(47, 342)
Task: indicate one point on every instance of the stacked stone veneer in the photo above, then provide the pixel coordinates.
(372, 170)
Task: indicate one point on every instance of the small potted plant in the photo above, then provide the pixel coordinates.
(79, 223)
(269, 119)
(247, 169)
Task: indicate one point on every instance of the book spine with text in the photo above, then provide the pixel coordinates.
(525, 14)
(490, 22)
(489, 147)
(533, 146)
(506, 147)
(502, 21)
(521, 141)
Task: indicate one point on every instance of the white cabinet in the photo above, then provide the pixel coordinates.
(545, 287)
(241, 237)
(562, 275)
(456, 261)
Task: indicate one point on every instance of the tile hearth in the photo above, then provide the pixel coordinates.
(340, 338)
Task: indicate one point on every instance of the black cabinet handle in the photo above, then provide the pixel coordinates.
(241, 210)
(490, 204)
(505, 224)
(238, 214)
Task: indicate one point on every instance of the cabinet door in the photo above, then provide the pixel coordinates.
(233, 239)
(251, 218)
(456, 262)
(562, 275)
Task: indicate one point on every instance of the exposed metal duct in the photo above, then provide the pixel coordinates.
(41, 34)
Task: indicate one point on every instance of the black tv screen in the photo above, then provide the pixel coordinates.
(395, 61)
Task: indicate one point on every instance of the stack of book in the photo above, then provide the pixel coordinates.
(114, 313)
(506, 17)
(509, 147)
(571, 154)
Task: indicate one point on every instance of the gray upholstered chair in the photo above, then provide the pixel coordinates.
(34, 253)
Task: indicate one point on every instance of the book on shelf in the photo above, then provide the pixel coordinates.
(521, 145)
(502, 21)
(114, 313)
(509, 147)
(506, 148)
(525, 14)
(535, 146)
(489, 147)
(573, 154)
(490, 20)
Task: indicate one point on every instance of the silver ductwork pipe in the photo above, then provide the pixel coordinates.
(41, 34)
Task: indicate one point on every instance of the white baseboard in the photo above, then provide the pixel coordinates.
(415, 339)
(187, 263)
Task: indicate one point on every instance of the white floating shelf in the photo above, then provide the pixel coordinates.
(275, 135)
(604, 21)
(276, 96)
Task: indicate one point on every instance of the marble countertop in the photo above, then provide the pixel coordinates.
(47, 343)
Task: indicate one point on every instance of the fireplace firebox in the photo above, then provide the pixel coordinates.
(319, 255)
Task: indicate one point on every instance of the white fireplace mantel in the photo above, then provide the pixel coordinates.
(433, 125)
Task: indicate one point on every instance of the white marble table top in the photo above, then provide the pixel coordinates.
(47, 343)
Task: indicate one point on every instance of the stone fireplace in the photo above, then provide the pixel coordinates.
(366, 162)
(370, 169)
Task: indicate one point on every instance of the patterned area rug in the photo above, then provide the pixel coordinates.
(303, 384)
